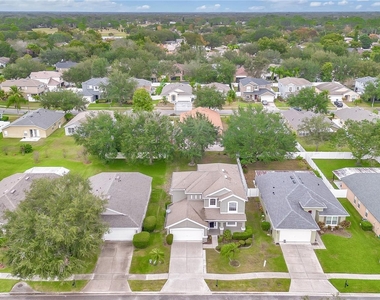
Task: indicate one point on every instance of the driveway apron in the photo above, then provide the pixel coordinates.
(186, 269)
(111, 270)
(305, 271)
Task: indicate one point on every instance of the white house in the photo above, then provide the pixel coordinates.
(181, 94)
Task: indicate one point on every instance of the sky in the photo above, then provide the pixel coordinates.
(191, 6)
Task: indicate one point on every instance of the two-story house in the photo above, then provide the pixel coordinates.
(361, 83)
(29, 87)
(256, 89)
(92, 90)
(291, 85)
(206, 202)
(52, 79)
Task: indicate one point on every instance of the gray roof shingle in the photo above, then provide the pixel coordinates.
(258, 81)
(42, 118)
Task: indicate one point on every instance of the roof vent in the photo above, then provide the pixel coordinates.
(117, 177)
(294, 181)
(13, 191)
(27, 178)
(291, 177)
(223, 170)
(225, 176)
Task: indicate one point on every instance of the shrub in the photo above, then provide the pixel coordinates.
(5, 118)
(227, 235)
(248, 242)
(366, 225)
(345, 224)
(26, 148)
(316, 172)
(217, 248)
(149, 223)
(321, 225)
(243, 235)
(69, 116)
(141, 240)
(265, 226)
(220, 239)
(242, 242)
(169, 239)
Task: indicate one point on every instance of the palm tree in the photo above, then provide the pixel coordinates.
(156, 256)
(15, 97)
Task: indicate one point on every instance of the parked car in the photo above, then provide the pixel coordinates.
(338, 103)
(297, 108)
(264, 102)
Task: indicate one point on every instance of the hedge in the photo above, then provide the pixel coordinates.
(149, 223)
(141, 240)
(265, 226)
(243, 235)
(366, 225)
(169, 239)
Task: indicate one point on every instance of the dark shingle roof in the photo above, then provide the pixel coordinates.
(366, 187)
(286, 194)
(42, 118)
(258, 81)
(65, 64)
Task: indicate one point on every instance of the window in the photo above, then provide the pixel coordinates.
(358, 204)
(90, 87)
(173, 97)
(71, 130)
(96, 88)
(290, 89)
(248, 89)
(366, 213)
(331, 220)
(355, 199)
(231, 224)
(232, 206)
(212, 202)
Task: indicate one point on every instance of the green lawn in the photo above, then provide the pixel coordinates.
(323, 147)
(7, 284)
(57, 286)
(329, 165)
(358, 254)
(356, 285)
(364, 104)
(252, 285)
(146, 285)
(251, 259)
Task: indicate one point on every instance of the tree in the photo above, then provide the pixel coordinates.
(22, 68)
(255, 135)
(15, 97)
(195, 135)
(157, 256)
(308, 99)
(316, 129)
(366, 41)
(63, 99)
(226, 71)
(55, 230)
(229, 250)
(326, 71)
(371, 91)
(146, 136)
(209, 97)
(120, 87)
(99, 135)
(142, 101)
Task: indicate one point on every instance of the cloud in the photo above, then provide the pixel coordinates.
(256, 7)
(328, 3)
(315, 4)
(217, 5)
(203, 7)
(344, 2)
(375, 4)
(143, 7)
(358, 6)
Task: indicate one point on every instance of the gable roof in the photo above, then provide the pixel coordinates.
(142, 82)
(287, 194)
(180, 88)
(182, 210)
(65, 64)
(366, 79)
(44, 74)
(4, 60)
(334, 88)
(221, 87)
(13, 188)
(212, 115)
(128, 195)
(83, 115)
(42, 118)
(344, 172)
(22, 83)
(294, 80)
(96, 81)
(295, 117)
(258, 81)
(366, 187)
(355, 114)
(241, 72)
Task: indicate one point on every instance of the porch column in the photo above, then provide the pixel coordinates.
(242, 226)
(221, 227)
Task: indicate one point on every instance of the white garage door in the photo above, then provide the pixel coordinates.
(187, 234)
(183, 106)
(120, 234)
(299, 236)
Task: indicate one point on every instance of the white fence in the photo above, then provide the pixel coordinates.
(253, 192)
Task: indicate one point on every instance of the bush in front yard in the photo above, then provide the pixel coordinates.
(248, 242)
(5, 118)
(265, 226)
(169, 239)
(141, 240)
(26, 148)
(366, 225)
(243, 235)
(227, 235)
(149, 223)
(345, 224)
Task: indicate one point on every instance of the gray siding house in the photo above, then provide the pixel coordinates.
(91, 88)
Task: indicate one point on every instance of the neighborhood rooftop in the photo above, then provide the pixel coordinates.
(344, 172)
(355, 114)
(42, 118)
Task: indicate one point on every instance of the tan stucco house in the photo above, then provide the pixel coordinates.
(206, 202)
(39, 123)
(29, 87)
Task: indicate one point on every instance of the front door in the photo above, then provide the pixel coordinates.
(213, 225)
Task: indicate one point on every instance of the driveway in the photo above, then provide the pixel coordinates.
(305, 271)
(111, 270)
(186, 269)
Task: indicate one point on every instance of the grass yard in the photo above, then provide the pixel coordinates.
(57, 286)
(7, 284)
(146, 285)
(252, 285)
(237, 104)
(323, 147)
(46, 30)
(112, 32)
(356, 285)
(329, 165)
(364, 104)
(251, 259)
(358, 254)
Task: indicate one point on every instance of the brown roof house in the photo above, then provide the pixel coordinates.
(29, 87)
(128, 195)
(52, 79)
(220, 87)
(212, 115)
(34, 125)
(207, 201)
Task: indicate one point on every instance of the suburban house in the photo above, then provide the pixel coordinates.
(181, 94)
(337, 91)
(360, 83)
(212, 115)
(293, 202)
(256, 89)
(91, 88)
(354, 114)
(220, 87)
(363, 192)
(206, 202)
(63, 66)
(35, 124)
(144, 84)
(4, 61)
(52, 79)
(292, 85)
(240, 74)
(81, 117)
(29, 87)
(128, 195)
(294, 119)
